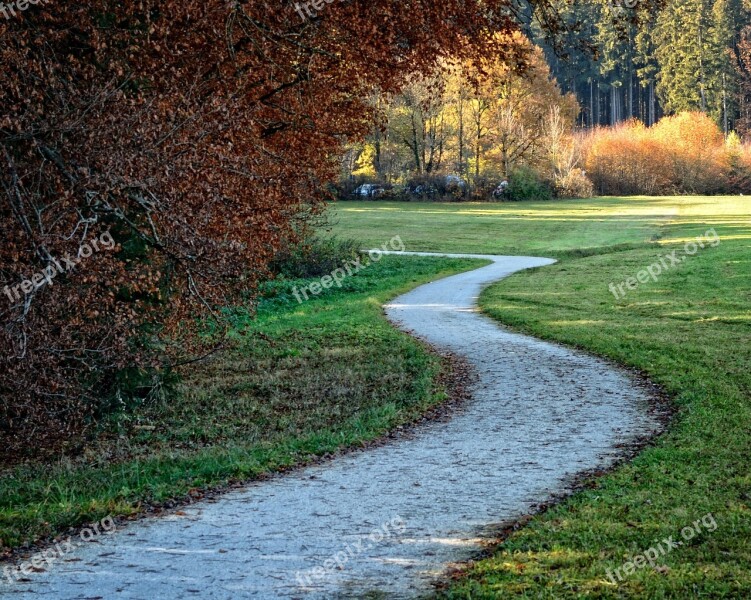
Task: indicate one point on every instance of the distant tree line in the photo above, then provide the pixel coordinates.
(479, 124)
(654, 59)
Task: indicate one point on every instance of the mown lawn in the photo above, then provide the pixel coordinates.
(301, 380)
(550, 228)
(690, 331)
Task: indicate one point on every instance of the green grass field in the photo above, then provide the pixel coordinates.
(551, 228)
(302, 380)
(690, 331)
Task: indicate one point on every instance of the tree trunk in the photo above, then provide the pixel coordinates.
(461, 137)
(652, 115)
(416, 146)
(478, 147)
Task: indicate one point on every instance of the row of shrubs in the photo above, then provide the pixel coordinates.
(524, 183)
(681, 154)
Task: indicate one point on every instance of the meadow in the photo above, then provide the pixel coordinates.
(303, 380)
(689, 331)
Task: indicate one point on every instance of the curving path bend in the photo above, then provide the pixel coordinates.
(392, 518)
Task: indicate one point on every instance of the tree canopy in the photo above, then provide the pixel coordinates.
(200, 136)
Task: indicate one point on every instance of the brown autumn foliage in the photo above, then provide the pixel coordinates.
(201, 136)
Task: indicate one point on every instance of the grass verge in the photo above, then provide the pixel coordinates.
(300, 381)
(690, 332)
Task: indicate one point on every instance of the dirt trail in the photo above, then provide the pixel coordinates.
(391, 518)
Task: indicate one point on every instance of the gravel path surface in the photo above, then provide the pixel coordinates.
(391, 518)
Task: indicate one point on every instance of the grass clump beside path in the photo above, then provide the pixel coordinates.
(302, 380)
(690, 331)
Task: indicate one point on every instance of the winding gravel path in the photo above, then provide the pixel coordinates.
(540, 413)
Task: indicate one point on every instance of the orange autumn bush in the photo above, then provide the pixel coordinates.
(626, 160)
(681, 154)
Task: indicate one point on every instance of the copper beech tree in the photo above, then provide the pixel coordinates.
(200, 136)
